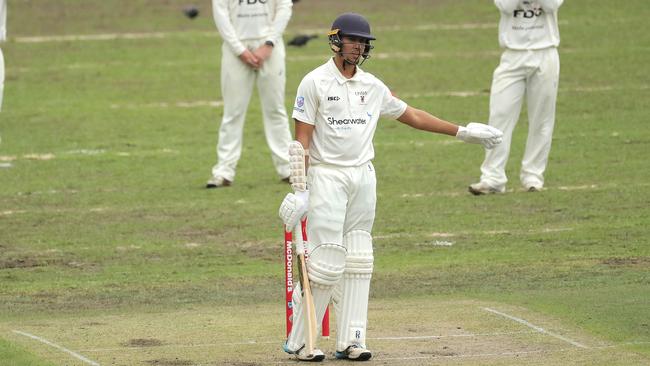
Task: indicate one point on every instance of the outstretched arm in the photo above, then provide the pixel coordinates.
(474, 133)
(425, 121)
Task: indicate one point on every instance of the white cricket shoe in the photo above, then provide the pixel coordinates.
(354, 353)
(302, 355)
(217, 182)
(484, 188)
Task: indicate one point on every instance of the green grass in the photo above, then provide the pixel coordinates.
(16, 355)
(116, 222)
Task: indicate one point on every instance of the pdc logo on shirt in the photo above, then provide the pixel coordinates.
(300, 102)
(530, 13)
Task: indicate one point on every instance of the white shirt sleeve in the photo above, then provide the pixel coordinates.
(281, 19)
(221, 14)
(391, 106)
(307, 102)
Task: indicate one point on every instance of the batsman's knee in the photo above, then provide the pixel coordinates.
(360, 259)
(326, 264)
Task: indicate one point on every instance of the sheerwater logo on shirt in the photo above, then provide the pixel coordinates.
(346, 121)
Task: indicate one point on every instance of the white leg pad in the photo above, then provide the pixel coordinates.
(351, 295)
(325, 266)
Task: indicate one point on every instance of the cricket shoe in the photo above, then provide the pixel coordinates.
(302, 355)
(480, 188)
(354, 353)
(218, 182)
(532, 187)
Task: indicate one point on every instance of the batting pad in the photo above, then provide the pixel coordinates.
(351, 295)
(325, 267)
(297, 175)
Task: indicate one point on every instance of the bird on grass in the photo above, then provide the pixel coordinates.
(301, 40)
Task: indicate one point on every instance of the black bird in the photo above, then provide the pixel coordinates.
(191, 11)
(301, 40)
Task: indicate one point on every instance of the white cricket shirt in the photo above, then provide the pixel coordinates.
(344, 113)
(239, 20)
(528, 25)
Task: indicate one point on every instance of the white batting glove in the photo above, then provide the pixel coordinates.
(479, 133)
(294, 208)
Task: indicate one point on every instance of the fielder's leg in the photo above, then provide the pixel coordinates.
(237, 81)
(271, 82)
(542, 95)
(506, 97)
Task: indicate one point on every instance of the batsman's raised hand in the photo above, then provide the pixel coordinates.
(479, 133)
(294, 208)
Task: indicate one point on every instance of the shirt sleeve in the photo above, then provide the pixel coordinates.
(281, 19)
(221, 15)
(391, 106)
(306, 104)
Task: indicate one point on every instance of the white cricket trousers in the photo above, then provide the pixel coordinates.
(535, 74)
(341, 199)
(237, 83)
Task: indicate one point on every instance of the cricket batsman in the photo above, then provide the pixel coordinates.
(336, 111)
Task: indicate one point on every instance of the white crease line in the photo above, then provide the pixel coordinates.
(72, 353)
(449, 93)
(448, 336)
(149, 35)
(539, 329)
(91, 37)
(449, 356)
(191, 104)
(279, 341)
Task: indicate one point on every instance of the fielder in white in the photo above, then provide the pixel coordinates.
(252, 53)
(530, 66)
(336, 112)
(3, 37)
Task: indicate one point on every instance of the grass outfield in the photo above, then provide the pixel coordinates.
(112, 253)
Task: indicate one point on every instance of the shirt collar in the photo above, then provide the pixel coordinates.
(339, 77)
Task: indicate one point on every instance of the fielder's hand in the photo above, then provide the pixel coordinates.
(294, 208)
(249, 58)
(479, 133)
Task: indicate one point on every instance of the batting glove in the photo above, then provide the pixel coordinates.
(294, 208)
(479, 133)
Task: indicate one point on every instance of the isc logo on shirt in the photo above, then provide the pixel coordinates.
(335, 98)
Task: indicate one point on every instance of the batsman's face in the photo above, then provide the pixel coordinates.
(353, 48)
